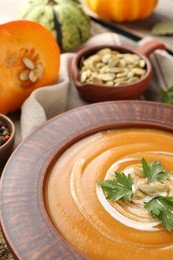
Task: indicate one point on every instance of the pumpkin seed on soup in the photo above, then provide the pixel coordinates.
(112, 68)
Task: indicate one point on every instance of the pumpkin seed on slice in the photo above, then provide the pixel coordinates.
(32, 76)
(28, 63)
(39, 70)
(24, 75)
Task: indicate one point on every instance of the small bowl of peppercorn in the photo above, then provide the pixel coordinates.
(113, 72)
(7, 137)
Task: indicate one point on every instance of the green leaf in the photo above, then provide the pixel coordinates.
(163, 28)
(154, 171)
(119, 187)
(167, 95)
(145, 167)
(162, 209)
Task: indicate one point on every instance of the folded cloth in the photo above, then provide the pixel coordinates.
(47, 102)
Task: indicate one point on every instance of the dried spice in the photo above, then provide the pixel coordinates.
(4, 133)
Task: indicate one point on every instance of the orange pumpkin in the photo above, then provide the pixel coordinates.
(122, 10)
(30, 58)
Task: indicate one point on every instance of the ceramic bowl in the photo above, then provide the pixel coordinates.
(26, 224)
(6, 148)
(96, 92)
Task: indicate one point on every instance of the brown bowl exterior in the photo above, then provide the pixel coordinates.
(6, 149)
(97, 93)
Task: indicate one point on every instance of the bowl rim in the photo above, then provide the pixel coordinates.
(92, 49)
(10, 123)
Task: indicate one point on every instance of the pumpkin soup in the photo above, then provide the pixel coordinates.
(106, 229)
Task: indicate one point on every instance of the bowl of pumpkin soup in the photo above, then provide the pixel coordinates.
(98, 186)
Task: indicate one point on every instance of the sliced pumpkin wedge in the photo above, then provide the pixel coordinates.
(29, 59)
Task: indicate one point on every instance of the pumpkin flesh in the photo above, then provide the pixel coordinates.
(19, 40)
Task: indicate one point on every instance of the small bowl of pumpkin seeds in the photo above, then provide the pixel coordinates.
(109, 72)
(7, 138)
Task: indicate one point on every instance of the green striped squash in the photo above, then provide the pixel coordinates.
(64, 18)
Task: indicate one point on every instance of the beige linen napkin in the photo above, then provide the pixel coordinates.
(49, 101)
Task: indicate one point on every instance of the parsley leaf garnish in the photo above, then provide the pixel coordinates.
(119, 187)
(167, 95)
(162, 209)
(154, 171)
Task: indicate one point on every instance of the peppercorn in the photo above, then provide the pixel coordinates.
(4, 133)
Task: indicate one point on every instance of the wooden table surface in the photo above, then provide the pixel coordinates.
(163, 12)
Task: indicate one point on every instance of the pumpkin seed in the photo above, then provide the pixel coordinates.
(135, 57)
(97, 80)
(130, 74)
(28, 63)
(83, 76)
(24, 75)
(32, 76)
(133, 79)
(109, 83)
(153, 188)
(104, 51)
(138, 171)
(122, 75)
(142, 63)
(116, 69)
(106, 66)
(121, 80)
(39, 70)
(106, 57)
(113, 62)
(100, 65)
(104, 69)
(137, 195)
(107, 76)
(138, 71)
(122, 63)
